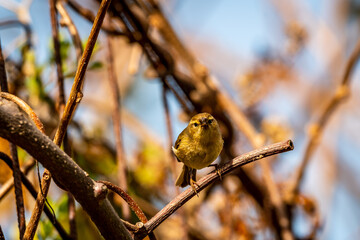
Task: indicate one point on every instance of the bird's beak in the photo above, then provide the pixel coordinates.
(203, 122)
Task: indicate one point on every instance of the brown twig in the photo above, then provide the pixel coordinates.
(56, 42)
(34, 194)
(15, 161)
(67, 21)
(39, 206)
(18, 191)
(72, 219)
(318, 127)
(3, 78)
(129, 226)
(46, 179)
(87, 14)
(210, 178)
(116, 119)
(168, 129)
(133, 205)
(76, 94)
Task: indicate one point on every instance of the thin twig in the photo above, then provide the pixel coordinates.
(87, 14)
(67, 21)
(210, 178)
(171, 156)
(18, 191)
(133, 205)
(76, 90)
(116, 119)
(56, 42)
(72, 219)
(129, 226)
(318, 127)
(19, 199)
(39, 206)
(46, 179)
(3, 78)
(34, 194)
(168, 129)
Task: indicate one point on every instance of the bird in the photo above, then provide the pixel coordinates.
(197, 146)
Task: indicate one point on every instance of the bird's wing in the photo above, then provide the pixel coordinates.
(178, 140)
(177, 144)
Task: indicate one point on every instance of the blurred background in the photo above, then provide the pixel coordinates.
(280, 62)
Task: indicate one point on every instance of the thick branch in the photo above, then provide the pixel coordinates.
(210, 178)
(17, 128)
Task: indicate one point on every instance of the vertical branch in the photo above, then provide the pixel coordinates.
(67, 21)
(18, 190)
(3, 80)
(170, 155)
(55, 36)
(16, 166)
(39, 206)
(76, 90)
(317, 129)
(116, 119)
(169, 130)
(46, 179)
(74, 100)
(72, 220)
(257, 140)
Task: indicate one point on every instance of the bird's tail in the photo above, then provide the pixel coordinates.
(184, 178)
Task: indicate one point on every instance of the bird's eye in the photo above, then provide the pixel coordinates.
(210, 121)
(195, 124)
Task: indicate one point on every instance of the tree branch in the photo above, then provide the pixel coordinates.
(19, 199)
(17, 128)
(211, 178)
(76, 94)
(317, 128)
(87, 14)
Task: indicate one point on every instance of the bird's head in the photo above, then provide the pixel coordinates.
(204, 124)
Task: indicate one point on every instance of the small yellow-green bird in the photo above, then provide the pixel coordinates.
(197, 146)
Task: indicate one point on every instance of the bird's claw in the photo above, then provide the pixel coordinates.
(193, 184)
(217, 169)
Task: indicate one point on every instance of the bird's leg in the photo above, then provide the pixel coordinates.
(217, 169)
(193, 181)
